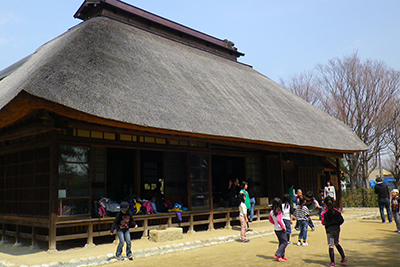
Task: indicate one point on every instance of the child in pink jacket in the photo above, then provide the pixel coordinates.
(275, 217)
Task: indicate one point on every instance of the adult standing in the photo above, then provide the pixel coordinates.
(383, 199)
(232, 194)
(252, 195)
(291, 192)
(244, 191)
(329, 190)
(247, 200)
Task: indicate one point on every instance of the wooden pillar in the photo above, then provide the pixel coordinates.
(169, 221)
(52, 232)
(3, 234)
(89, 241)
(228, 220)
(136, 178)
(33, 239)
(53, 201)
(145, 228)
(339, 187)
(258, 214)
(191, 226)
(17, 243)
(211, 221)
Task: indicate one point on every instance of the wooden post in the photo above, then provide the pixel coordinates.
(4, 236)
(211, 221)
(33, 240)
(191, 226)
(258, 215)
(89, 241)
(339, 187)
(52, 232)
(17, 243)
(53, 194)
(145, 229)
(228, 220)
(169, 221)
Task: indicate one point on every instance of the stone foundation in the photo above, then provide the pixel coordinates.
(168, 234)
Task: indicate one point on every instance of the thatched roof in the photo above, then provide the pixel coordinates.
(122, 73)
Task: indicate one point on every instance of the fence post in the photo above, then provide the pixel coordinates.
(145, 229)
(4, 236)
(211, 221)
(89, 241)
(191, 226)
(228, 220)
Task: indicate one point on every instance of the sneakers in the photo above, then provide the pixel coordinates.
(313, 229)
(299, 243)
(246, 241)
(119, 257)
(280, 259)
(332, 264)
(130, 258)
(297, 228)
(344, 260)
(304, 244)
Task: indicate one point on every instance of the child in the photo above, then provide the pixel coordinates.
(287, 215)
(311, 204)
(296, 200)
(243, 218)
(275, 217)
(320, 199)
(122, 222)
(332, 219)
(302, 215)
(395, 208)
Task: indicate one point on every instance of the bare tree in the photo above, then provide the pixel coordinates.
(305, 85)
(359, 94)
(393, 139)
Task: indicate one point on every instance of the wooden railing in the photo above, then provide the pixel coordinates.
(94, 227)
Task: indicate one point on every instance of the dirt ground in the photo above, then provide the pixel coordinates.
(366, 242)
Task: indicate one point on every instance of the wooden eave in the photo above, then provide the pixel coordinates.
(25, 104)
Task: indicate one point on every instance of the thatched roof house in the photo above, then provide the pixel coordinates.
(112, 70)
(126, 73)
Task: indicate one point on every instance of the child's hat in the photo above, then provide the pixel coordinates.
(124, 206)
(395, 191)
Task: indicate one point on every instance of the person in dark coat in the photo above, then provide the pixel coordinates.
(122, 222)
(383, 199)
(331, 218)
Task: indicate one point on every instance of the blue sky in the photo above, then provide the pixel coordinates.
(279, 38)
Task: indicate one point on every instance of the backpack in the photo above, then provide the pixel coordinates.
(134, 206)
(101, 207)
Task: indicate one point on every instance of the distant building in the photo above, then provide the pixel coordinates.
(127, 100)
(377, 173)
